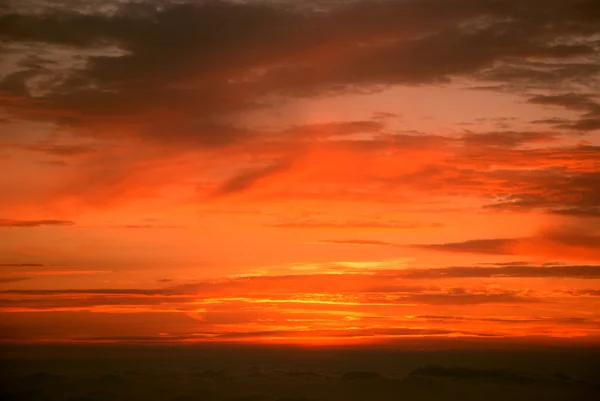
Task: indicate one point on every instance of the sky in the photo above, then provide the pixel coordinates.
(302, 172)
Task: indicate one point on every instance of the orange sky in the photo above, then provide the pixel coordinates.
(321, 173)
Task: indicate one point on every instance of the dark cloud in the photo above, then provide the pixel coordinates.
(88, 292)
(84, 299)
(595, 293)
(465, 373)
(172, 74)
(34, 223)
(304, 374)
(514, 77)
(497, 246)
(530, 271)
(572, 101)
(180, 57)
(586, 124)
(468, 299)
(62, 150)
(508, 138)
(21, 265)
(551, 188)
(52, 303)
(7, 280)
(587, 104)
(135, 339)
(578, 212)
(551, 121)
(561, 241)
(361, 375)
(573, 235)
(532, 319)
(249, 178)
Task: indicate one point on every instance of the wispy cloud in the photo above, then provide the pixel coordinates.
(353, 224)
(562, 242)
(356, 242)
(34, 223)
(6, 280)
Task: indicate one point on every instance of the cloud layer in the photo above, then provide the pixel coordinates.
(299, 171)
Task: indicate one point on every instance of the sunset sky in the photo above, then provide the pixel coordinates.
(305, 172)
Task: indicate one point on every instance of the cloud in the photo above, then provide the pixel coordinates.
(551, 121)
(528, 271)
(58, 272)
(562, 242)
(578, 212)
(377, 279)
(308, 162)
(277, 299)
(148, 226)
(90, 299)
(7, 280)
(243, 336)
(509, 138)
(34, 223)
(465, 373)
(21, 265)
(595, 293)
(468, 299)
(134, 339)
(62, 150)
(87, 292)
(116, 303)
(497, 246)
(586, 124)
(353, 224)
(152, 103)
(550, 189)
(356, 242)
(247, 179)
(361, 375)
(573, 101)
(585, 103)
(42, 379)
(521, 180)
(509, 319)
(340, 129)
(377, 44)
